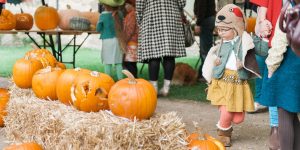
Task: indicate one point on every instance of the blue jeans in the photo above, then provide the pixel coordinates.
(273, 112)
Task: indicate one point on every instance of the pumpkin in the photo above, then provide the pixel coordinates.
(91, 16)
(250, 26)
(44, 56)
(7, 20)
(60, 65)
(46, 18)
(24, 146)
(44, 82)
(23, 71)
(202, 145)
(89, 92)
(217, 142)
(65, 17)
(132, 98)
(24, 21)
(4, 97)
(80, 23)
(64, 84)
(193, 136)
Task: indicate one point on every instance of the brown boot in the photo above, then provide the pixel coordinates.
(274, 139)
(225, 136)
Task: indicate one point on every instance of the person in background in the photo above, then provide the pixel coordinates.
(161, 37)
(205, 11)
(268, 13)
(131, 34)
(109, 25)
(227, 68)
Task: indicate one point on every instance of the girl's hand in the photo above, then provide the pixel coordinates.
(265, 28)
(239, 64)
(218, 61)
(270, 73)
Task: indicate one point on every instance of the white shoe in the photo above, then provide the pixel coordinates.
(164, 92)
(259, 108)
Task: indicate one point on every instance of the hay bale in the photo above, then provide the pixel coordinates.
(57, 126)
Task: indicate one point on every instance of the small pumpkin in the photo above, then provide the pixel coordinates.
(250, 26)
(65, 17)
(24, 21)
(92, 16)
(4, 97)
(80, 23)
(217, 142)
(23, 71)
(89, 92)
(64, 84)
(202, 145)
(132, 98)
(24, 146)
(7, 20)
(44, 83)
(46, 18)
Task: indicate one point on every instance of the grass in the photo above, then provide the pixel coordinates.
(90, 59)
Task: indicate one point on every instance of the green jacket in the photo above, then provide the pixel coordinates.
(106, 25)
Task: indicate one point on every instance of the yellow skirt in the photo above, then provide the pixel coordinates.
(231, 92)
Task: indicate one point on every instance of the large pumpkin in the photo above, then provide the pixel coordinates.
(132, 98)
(64, 84)
(4, 97)
(24, 21)
(7, 20)
(65, 17)
(44, 56)
(250, 26)
(44, 83)
(23, 71)
(90, 91)
(92, 16)
(46, 18)
(24, 146)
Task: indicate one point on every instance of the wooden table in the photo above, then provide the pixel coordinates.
(56, 47)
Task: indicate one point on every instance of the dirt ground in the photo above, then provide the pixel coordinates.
(252, 134)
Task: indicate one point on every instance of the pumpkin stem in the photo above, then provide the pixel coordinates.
(43, 2)
(68, 6)
(91, 10)
(130, 76)
(21, 10)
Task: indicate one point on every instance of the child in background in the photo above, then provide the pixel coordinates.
(108, 25)
(227, 68)
(131, 37)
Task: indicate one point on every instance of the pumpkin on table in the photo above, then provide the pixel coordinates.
(92, 16)
(132, 98)
(80, 23)
(89, 92)
(24, 21)
(7, 20)
(65, 82)
(44, 83)
(24, 146)
(46, 18)
(23, 71)
(65, 17)
(4, 97)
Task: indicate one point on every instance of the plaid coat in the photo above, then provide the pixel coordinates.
(161, 30)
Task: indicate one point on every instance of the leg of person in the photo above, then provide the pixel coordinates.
(107, 69)
(297, 132)
(274, 143)
(153, 68)
(224, 126)
(238, 117)
(131, 67)
(119, 69)
(206, 41)
(286, 129)
(169, 66)
(258, 84)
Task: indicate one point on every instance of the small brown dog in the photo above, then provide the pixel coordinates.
(184, 74)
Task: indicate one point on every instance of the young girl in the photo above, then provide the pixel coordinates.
(107, 25)
(131, 37)
(227, 68)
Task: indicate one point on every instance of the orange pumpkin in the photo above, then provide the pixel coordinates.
(46, 18)
(24, 21)
(90, 91)
(132, 98)
(64, 84)
(93, 17)
(4, 97)
(202, 145)
(24, 146)
(23, 71)
(193, 136)
(65, 17)
(7, 20)
(250, 26)
(44, 56)
(217, 142)
(44, 83)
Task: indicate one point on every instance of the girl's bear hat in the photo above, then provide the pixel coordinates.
(231, 16)
(112, 3)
